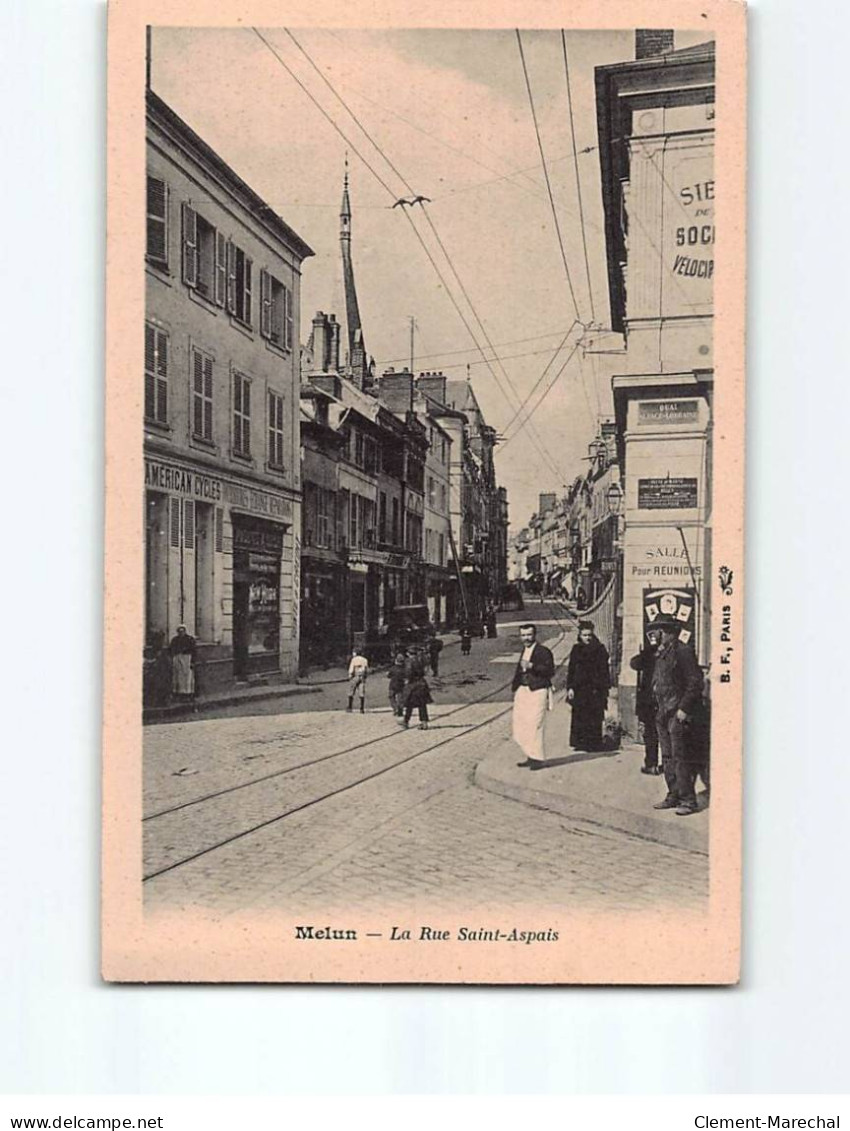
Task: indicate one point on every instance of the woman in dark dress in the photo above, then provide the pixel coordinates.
(588, 681)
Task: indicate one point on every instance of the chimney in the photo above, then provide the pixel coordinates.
(320, 343)
(396, 391)
(650, 42)
(333, 344)
(433, 385)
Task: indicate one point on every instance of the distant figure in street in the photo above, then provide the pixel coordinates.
(418, 695)
(491, 624)
(677, 681)
(531, 687)
(415, 666)
(358, 671)
(644, 664)
(588, 681)
(182, 650)
(435, 647)
(465, 639)
(581, 597)
(397, 677)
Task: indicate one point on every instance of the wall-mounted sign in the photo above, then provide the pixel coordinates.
(689, 204)
(676, 603)
(672, 493)
(668, 412)
(161, 475)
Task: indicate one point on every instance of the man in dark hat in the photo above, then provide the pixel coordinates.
(644, 664)
(676, 687)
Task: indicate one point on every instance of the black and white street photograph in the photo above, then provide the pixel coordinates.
(430, 599)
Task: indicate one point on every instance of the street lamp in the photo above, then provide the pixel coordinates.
(615, 498)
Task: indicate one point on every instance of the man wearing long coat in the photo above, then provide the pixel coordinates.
(588, 681)
(531, 687)
(677, 681)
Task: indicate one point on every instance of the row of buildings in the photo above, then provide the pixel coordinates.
(293, 497)
(634, 532)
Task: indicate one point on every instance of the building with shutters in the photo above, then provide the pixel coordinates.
(221, 413)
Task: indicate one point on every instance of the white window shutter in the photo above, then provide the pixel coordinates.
(265, 304)
(220, 269)
(248, 291)
(157, 219)
(231, 277)
(190, 245)
(288, 313)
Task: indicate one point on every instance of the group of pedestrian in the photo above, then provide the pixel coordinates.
(408, 686)
(588, 682)
(668, 704)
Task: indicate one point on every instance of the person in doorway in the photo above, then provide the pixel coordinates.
(182, 651)
(465, 639)
(588, 681)
(397, 677)
(677, 682)
(418, 695)
(435, 647)
(531, 688)
(358, 671)
(644, 664)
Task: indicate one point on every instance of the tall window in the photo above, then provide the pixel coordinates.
(241, 415)
(441, 548)
(275, 429)
(395, 530)
(354, 520)
(325, 518)
(239, 268)
(157, 221)
(202, 396)
(204, 256)
(276, 315)
(432, 491)
(156, 374)
(382, 517)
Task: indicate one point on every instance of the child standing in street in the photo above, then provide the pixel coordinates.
(358, 670)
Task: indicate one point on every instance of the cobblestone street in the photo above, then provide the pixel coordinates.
(331, 808)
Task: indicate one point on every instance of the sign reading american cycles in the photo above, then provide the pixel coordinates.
(162, 476)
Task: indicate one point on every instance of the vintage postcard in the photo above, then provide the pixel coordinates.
(425, 459)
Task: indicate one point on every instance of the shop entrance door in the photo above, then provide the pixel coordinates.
(256, 598)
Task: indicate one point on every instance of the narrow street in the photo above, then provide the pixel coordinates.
(312, 807)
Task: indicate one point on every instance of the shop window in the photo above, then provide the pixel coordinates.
(276, 317)
(156, 248)
(156, 374)
(241, 415)
(219, 530)
(202, 396)
(275, 429)
(239, 271)
(204, 256)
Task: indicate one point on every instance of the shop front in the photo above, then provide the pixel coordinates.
(221, 559)
(257, 552)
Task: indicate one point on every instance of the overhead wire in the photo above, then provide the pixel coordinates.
(546, 175)
(542, 451)
(578, 178)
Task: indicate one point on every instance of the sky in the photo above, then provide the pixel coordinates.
(447, 115)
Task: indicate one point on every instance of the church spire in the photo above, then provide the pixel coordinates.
(356, 348)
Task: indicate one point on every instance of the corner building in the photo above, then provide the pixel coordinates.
(656, 137)
(221, 413)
